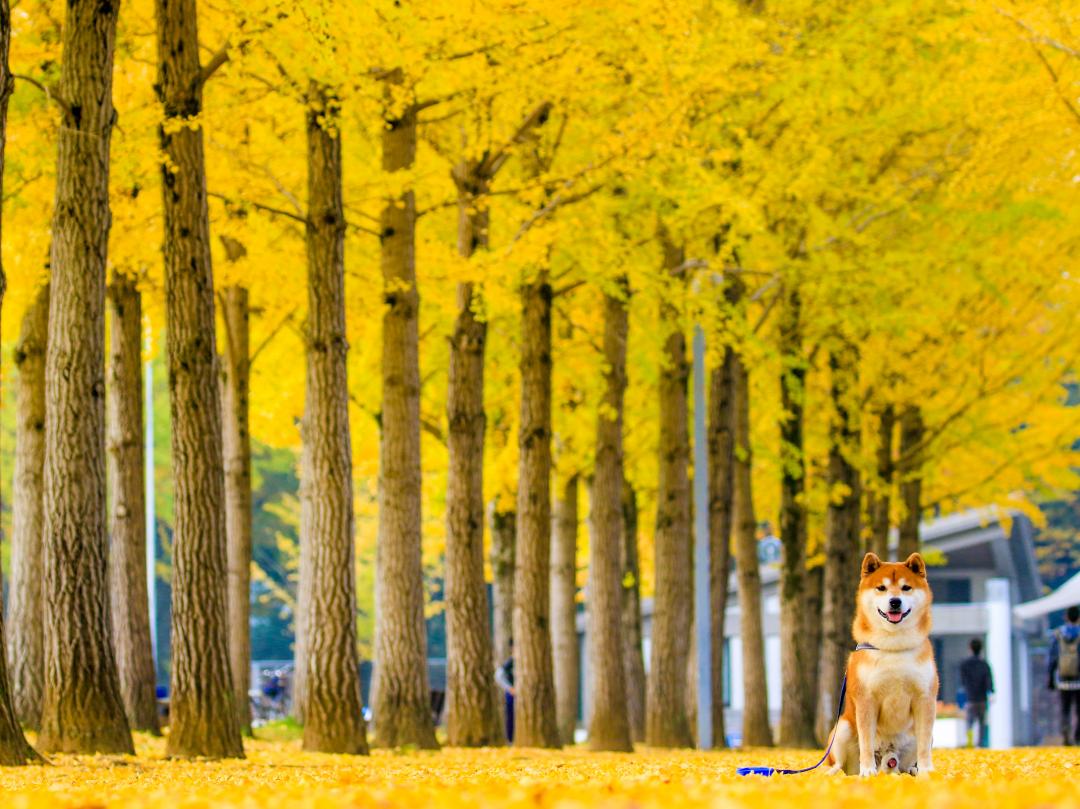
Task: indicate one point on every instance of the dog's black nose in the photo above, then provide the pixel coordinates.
(894, 604)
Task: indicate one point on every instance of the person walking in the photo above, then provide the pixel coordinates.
(504, 676)
(1065, 673)
(978, 683)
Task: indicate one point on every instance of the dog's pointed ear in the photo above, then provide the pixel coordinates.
(916, 565)
(870, 563)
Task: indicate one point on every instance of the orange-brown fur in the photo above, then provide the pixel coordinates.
(891, 690)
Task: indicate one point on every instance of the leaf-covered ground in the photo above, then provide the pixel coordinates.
(277, 774)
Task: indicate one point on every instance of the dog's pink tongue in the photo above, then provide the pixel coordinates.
(895, 617)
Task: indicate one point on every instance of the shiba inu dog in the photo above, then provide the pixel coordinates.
(892, 682)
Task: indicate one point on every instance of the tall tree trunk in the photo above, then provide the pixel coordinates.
(666, 722)
(13, 747)
(127, 553)
(609, 705)
(632, 651)
(236, 445)
(503, 553)
(82, 711)
(474, 715)
(333, 711)
(880, 502)
(721, 490)
(564, 641)
(912, 435)
(202, 706)
(810, 641)
(26, 607)
(756, 730)
(796, 711)
(841, 533)
(534, 685)
(402, 704)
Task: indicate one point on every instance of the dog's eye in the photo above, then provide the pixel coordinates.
(906, 588)
(881, 588)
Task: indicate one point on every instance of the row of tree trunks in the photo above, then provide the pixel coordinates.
(609, 702)
(333, 717)
(842, 536)
(756, 730)
(721, 438)
(127, 552)
(236, 446)
(912, 437)
(666, 721)
(401, 703)
(474, 715)
(881, 494)
(82, 710)
(534, 704)
(564, 641)
(796, 708)
(13, 747)
(26, 628)
(202, 709)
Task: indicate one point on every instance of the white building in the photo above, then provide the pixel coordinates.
(986, 573)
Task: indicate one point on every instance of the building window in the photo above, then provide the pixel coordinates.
(953, 591)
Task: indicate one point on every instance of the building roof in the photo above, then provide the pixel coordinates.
(1067, 595)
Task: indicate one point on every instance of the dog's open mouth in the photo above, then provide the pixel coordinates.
(894, 617)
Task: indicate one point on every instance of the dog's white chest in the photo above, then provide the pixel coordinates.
(896, 680)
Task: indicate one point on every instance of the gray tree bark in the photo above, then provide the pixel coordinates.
(82, 711)
(721, 501)
(202, 704)
(333, 711)
(796, 707)
(609, 718)
(633, 652)
(503, 551)
(881, 500)
(401, 703)
(756, 730)
(26, 607)
(534, 685)
(564, 642)
(912, 436)
(474, 706)
(666, 721)
(127, 552)
(842, 540)
(236, 448)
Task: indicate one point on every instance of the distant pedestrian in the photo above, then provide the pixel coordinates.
(504, 676)
(979, 685)
(1065, 673)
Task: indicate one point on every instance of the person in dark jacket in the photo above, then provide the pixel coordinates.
(1065, 673)
(979, 685)
(504, 677)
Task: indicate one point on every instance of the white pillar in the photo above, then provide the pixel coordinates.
(735, 667)
(999, 656)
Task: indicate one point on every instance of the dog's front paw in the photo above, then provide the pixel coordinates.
(923, 770)
(866, 772)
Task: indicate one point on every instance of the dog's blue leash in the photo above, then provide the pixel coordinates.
(839, 712)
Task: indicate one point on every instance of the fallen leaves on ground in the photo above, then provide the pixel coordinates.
(278, 774)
